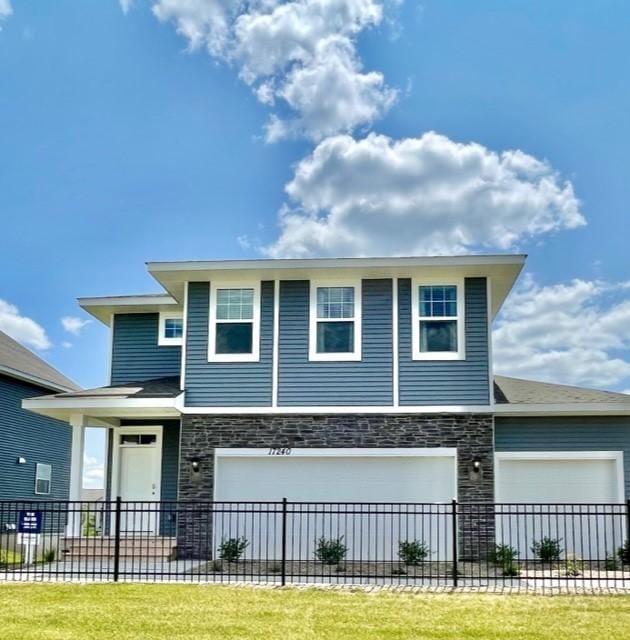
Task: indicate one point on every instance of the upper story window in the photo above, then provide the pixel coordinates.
(438, 321)
(335, 321)
(43, 477)
(171, 328)
(234, 323)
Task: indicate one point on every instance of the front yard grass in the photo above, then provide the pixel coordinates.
(65, 611)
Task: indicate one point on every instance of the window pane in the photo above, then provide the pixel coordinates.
(235, 304)
(438, 335)
(42, 486)
(234, 337)
(335, 302)
(335, 337)
(438, 301)
(173, 327)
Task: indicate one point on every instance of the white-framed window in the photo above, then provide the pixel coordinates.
(438, 329)
(335, 321)
(43, 477)
(234, 322)
(171, 328)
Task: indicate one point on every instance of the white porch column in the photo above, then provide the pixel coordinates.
(78, 422)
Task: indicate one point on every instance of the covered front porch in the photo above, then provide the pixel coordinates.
(140, 462)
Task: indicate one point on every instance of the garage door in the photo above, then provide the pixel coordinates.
(344, 476)
(560, 491)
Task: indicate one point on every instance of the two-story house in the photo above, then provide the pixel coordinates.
(359, 379)
(34, 449)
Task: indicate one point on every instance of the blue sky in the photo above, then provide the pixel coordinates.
(140, 131)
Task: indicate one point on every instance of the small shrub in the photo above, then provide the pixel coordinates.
(48, 555)
(88, 525)
(574, 567)
(611, 564)
(231, 549)
(624, 552)
(547, 549)
(511, 570)
(330, 550)
(503, 554)
(412, 552)
(216, 566)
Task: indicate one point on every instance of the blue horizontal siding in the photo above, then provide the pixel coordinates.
(446, 382)
(226, 384)
(364, 382)
(33, 437)
(588, 433)
(136, 354)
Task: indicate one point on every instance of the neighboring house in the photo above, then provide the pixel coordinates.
(336, 379)
(34, 449)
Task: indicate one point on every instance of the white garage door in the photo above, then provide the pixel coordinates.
(342, 476)
(562, 492)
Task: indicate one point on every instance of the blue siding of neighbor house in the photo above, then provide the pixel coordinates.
(136, 354)
(226, 383)
(446, 382)
(36, 438)
(170, 468)
(588, 433)
(365, 382)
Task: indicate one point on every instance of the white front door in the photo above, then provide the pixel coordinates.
(139, 474)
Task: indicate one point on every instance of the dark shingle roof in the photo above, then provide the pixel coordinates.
(516, 391)
(157, 388)
(17, 361)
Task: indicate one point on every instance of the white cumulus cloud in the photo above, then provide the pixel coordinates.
(576, 332)
(426, 195)
(74, 325)
(299, 56)
(21, 328)
(6, 10)
(93, 472)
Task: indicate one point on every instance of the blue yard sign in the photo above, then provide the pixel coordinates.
(30, 522)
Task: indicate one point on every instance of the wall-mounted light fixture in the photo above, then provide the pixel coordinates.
(21, 460)
(195, 465)
(476, 465)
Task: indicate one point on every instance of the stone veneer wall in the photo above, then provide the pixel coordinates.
(471, 434)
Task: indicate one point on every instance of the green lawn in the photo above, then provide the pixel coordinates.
(181, 611)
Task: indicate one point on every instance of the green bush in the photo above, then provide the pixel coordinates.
(231, 549)
(330, 550)
(413, 552)
(8, 557)
(574, 567)
(547, 549)
(48, 555)
(88, 525)
(611, 564)
(504, 556)
(624, 552)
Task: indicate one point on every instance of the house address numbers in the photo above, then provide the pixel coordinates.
(279, 451)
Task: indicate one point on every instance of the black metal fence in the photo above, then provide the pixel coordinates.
(416, 544)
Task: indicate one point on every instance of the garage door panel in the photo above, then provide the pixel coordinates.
(370, 531)
(559, 498)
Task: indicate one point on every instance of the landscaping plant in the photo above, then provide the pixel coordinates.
(574, 567)
(624, 552)
(330, 550)
(412, 552)
(231, 549)
(547, 549)
(504, 556)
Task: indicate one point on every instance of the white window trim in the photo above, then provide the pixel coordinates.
(234, 357)
(164, 316)
(353, 355)
(37, 477)
(416, 354)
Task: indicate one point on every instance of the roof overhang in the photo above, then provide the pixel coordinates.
(40, 382)
(502, 270)
(565, 410)
(103, 308)
(112, 408)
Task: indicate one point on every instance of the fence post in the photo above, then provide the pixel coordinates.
(117, 538)
(454, 539)
(283, 577)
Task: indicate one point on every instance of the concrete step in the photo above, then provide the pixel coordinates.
(103, 547)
